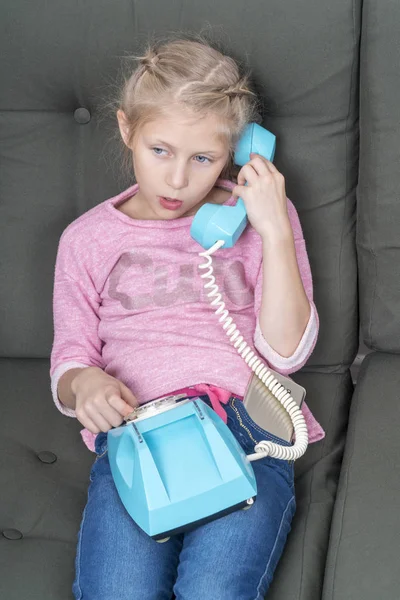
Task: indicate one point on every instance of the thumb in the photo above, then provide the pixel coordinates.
(241, 180)
(128, 397)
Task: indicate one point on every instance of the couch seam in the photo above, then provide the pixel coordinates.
(357, 56)
(374, 260)
(310, 496)
(347, 194)
(349, 456)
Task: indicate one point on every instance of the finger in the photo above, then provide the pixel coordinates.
(259, 164)
(89, 425)
(121, 407)
(97, 418)
(270, 165)
(112, 416)
(240, 178)
(239, 191)
(128, 396)
(247, 173)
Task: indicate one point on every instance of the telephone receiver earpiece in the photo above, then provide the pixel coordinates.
(214, 222)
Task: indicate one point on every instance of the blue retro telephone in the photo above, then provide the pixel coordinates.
(175, 463)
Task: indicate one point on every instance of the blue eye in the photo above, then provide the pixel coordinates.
(202, 161)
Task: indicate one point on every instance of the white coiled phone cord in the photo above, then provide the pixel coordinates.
(265, 447)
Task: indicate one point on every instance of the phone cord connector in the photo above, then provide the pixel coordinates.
(265, 447)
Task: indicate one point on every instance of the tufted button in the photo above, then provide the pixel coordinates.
(12, 534)
(82, 116)
(47, 457)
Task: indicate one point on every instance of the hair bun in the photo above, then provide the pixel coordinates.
(150, 60)
(237, 90)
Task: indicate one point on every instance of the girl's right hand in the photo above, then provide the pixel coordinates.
(102, 401)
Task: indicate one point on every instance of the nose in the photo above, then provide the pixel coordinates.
(178, 177)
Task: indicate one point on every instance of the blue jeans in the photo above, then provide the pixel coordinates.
(233, 557)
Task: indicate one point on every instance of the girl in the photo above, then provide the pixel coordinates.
(133, 323)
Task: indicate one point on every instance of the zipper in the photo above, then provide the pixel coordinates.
(290, 462)
(241, 422)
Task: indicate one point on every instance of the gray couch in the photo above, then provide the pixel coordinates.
(329, 74)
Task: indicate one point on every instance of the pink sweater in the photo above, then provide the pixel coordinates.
(128, 298)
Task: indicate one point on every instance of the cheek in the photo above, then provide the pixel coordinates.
(212, 175)
(145, 169)
(205, 182)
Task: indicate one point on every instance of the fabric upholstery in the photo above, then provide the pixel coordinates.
(58, 158)
(362, 560)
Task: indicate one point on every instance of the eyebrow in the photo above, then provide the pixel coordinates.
(213, 152)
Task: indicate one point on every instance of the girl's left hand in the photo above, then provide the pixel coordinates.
(264, 197)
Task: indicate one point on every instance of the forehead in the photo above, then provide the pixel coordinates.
(183, 128)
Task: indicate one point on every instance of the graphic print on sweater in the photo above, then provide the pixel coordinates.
(138, 283)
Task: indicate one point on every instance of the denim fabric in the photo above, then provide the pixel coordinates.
(233, 557)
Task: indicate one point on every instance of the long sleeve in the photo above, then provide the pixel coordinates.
(290, 364)
(75, 314)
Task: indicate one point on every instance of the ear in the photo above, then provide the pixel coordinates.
(123, 126)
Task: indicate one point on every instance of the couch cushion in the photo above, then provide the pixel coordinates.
(378, 209)
(300, 573)
(363, 553)
(45, 474)
(56, 163)
(44, 478)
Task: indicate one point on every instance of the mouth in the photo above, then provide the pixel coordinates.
(170, 203)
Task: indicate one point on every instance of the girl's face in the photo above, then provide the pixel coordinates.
(177, 159)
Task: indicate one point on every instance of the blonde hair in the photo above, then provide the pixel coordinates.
(196, 75)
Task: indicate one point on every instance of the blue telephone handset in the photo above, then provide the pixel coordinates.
(214, 222)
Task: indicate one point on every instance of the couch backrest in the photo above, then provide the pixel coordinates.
(57, 158)
(378, 214)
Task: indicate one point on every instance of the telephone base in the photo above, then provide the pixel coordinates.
(190, 526)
